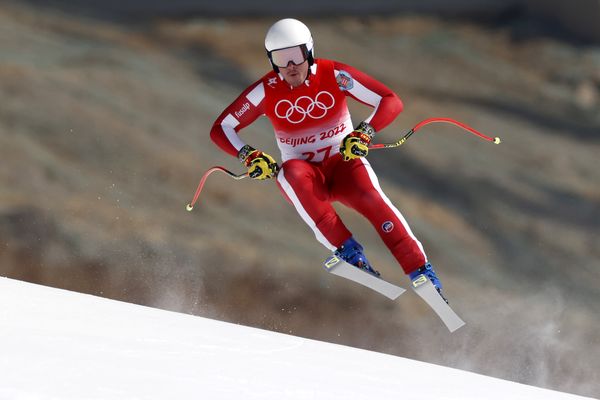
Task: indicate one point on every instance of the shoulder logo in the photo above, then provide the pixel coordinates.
(345, 80)
(272, 82)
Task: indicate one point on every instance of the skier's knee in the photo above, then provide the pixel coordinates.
(367, 199)
(295, 170)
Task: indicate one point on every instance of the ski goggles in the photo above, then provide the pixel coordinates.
(282, 57)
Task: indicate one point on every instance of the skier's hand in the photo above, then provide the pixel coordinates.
(356, 143)
(260, 165)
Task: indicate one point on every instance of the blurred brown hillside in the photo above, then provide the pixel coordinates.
(104, 135)
(575, 19)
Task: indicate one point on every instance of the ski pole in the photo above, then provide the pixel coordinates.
(428, 121)
(398, 143)
(190, 206)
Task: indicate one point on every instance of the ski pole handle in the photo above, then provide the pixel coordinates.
(190, 206)
(403, 139)
(392, 145)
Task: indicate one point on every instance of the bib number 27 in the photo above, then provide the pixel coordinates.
(310, 155)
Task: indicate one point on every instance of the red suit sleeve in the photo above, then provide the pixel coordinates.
(366, 89)
(239, 114)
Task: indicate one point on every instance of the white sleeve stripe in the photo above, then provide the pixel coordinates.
(370, 117)
(230, 120)
(365, 95)
(256, 95)
(228, 125)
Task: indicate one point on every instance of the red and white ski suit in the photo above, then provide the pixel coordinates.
(310, 121)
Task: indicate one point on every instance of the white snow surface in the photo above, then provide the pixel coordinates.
(56, 344)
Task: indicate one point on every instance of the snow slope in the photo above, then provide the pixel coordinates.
(56, 344)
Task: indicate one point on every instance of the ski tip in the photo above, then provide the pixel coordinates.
(497, 140)
(189, 207)
(457, 326)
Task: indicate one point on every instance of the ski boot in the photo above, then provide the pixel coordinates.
(352, 252)
(428, 271)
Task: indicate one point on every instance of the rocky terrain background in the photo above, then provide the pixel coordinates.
(104, 135)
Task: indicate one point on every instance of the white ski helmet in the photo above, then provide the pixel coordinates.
(286, 33)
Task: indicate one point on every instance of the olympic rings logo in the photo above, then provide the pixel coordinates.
(305, 106)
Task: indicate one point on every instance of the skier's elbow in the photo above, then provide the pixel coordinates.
(215, 134)
(218, 137)
(396, 105)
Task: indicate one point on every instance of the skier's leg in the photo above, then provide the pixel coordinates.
(357, 186)
(303, 184)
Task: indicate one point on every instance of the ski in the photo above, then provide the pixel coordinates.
(339, 267)
(423, 287)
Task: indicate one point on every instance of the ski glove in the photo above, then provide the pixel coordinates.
(260, 165)
(356, 143)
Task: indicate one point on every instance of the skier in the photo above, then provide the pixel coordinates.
(323, 157)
